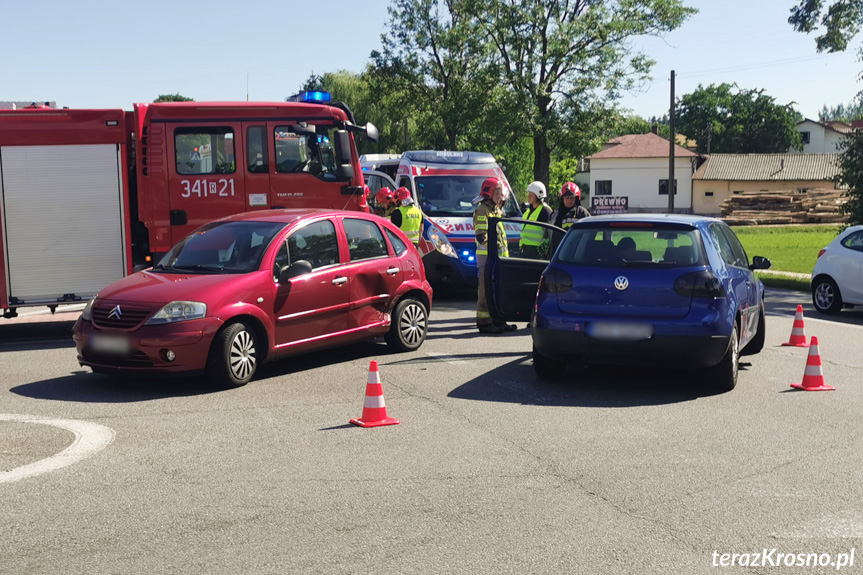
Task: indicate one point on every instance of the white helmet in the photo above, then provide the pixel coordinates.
(537, 188)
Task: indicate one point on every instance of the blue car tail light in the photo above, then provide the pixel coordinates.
(700, 284)
(555, 280)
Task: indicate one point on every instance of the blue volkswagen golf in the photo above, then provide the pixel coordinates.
(636, 289)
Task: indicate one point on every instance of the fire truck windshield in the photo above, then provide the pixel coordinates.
(305, 153)
(453, 195)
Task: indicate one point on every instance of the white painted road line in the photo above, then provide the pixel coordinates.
(90, 438)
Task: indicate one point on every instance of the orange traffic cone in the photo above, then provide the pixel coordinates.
(374, 408)
(798, 337)
(813, 378)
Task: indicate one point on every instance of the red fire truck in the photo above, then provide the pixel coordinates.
(86, 196)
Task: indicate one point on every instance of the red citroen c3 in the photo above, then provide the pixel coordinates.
(259, 286)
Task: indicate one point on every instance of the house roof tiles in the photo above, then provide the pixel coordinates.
(769, 167)
(640, 146)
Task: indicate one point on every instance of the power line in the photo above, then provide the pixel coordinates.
(756, 66)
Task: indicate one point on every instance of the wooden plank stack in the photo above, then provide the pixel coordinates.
(812, 206)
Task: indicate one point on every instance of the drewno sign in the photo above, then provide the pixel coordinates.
(609, 205)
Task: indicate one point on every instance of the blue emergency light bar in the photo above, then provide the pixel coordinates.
(310, 96)
(315, 96)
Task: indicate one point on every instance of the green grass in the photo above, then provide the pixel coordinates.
(789, 248)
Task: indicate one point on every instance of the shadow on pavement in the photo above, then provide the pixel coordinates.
(784, 303)
(595, 386)
(86, 387)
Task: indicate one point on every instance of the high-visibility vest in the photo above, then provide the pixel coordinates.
(412, 222)
(532, 235)
(480, 220)
(388, 212)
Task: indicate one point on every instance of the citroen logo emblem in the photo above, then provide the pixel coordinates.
(115, 313)
(620, 282)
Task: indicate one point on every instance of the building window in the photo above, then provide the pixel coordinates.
(663, 187)
(805, 137)
(708, 194)
(602, 188)
(737, 192)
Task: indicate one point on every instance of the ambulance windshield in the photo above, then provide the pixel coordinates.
(454, 195)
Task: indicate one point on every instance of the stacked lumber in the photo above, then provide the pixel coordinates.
(815, 206)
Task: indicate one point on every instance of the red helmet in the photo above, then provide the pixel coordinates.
(570, 189)
(384, 195)
(489, 186)
(402, 194)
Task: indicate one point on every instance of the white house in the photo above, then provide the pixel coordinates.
(632, 172)
(821, 137)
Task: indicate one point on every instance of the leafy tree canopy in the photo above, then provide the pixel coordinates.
(851, 161)
(840, 22)
(727, 119)
(842, 113)
(172, 98)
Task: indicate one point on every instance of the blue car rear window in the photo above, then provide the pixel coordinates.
(676, 247)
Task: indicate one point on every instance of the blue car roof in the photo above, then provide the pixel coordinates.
(685, 219)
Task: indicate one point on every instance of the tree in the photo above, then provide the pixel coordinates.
(559, 57)
(437, 64)
(851, 162)
(841, 22)
(726, 119)
(842, 113)
(172, 98)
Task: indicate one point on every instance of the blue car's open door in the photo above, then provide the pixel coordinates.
(511, 282)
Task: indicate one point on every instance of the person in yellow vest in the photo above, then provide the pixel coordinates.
(386, 202)
(490, 195)
(407, 216)
(532, 237)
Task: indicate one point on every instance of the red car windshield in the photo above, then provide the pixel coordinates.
(221, 247)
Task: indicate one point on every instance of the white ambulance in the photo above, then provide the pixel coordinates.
(445, 186)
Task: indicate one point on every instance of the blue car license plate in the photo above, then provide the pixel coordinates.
(616, 331)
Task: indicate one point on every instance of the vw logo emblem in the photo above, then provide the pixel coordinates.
(621, 283)
(115, 313)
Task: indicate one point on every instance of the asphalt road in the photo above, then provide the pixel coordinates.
(490, 471)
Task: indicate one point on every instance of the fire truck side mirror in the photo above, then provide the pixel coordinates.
(372, 132)
(343, 147)
(345, 172)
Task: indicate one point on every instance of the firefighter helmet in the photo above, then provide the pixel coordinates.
(569, 189)
(402, 194)
(489, 186)
(384, 195)
(537, 188)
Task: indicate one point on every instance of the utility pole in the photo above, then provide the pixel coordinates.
(671, 150)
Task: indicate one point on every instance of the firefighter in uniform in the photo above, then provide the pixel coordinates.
(533, 244)
(386, 201)
(491, 195)
(407, 216)
(570, 209)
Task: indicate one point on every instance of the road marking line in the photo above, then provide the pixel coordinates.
(90, 438)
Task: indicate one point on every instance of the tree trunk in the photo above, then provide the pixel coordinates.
(541, 158)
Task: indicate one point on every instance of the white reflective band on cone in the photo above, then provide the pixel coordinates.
(374, 402)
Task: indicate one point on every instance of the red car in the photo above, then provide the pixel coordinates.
(259, 286)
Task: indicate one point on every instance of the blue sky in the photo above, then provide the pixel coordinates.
(111, 54)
